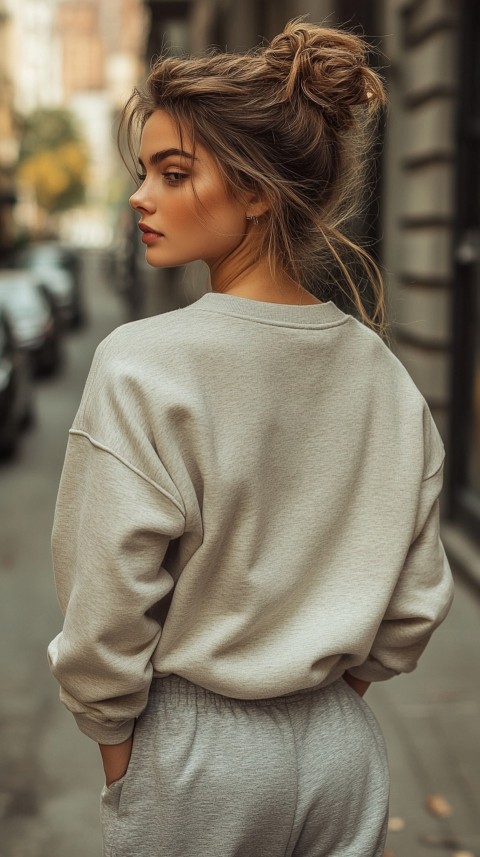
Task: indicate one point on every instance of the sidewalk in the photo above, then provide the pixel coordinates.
(431, 721)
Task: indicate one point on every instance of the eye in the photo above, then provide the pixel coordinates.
(141, 177)
(174, 178)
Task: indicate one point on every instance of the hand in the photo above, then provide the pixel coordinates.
(115, 759)
(358, 684)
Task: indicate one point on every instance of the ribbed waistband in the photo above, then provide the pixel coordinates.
(176, 689)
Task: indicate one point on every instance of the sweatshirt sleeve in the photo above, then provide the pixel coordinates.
(422, 596)
(113, 523)
(423, 592)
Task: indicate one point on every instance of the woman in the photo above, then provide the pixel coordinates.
(246, 533)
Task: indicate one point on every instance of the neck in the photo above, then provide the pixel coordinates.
(253, 279)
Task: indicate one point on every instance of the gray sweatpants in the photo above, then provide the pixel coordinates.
(209, 776)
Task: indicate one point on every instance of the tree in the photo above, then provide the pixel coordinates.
(53, 159)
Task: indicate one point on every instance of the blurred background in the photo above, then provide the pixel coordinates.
(72, 268)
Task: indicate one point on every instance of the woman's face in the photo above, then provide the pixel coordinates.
(183, 200)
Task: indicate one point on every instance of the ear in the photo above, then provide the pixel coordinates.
(256, 211)
(256, 205)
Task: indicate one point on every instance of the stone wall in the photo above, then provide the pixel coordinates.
(419, 190)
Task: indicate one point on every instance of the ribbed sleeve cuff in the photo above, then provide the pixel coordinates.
(111, 733)
(372, 671)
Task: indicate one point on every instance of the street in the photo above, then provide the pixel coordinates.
(51, 775)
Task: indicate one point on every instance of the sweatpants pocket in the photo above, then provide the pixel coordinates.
(109, 804)
(111, 800)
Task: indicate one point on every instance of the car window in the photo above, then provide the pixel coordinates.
(21, 300)
(41, 256)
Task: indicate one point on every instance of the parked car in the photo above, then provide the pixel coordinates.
(59, 269)
(32, 319)
(17, 410)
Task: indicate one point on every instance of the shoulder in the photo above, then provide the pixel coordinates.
(379, 363)
(393, 386)
(138, 365)
(140, 348)
(138, 335)
(169, 331)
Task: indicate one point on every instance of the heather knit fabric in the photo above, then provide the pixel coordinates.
(249, 501)
(299, 776)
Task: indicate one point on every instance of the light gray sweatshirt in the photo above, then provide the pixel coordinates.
(249, 500)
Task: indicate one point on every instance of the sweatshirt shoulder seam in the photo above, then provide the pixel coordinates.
(98, 445)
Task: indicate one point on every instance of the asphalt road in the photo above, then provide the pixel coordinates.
(50, 774)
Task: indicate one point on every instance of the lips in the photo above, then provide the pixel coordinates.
(148, 229)
(150, 236)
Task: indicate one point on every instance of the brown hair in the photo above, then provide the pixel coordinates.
(293, 121)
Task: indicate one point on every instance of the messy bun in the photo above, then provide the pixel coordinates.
(328, 67)
(294, 121)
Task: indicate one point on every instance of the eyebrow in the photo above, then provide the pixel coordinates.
(157, 157)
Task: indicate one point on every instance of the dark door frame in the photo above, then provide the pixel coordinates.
(464, 503)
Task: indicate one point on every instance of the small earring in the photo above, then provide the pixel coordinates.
(253, 218)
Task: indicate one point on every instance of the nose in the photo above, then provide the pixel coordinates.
(139, 201)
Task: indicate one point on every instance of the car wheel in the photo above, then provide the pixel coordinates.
(29, 417)
(9, 446)
(79, 319)
(54, 363)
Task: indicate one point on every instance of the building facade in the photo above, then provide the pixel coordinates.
(35, 63)
(427, 222)
(101, 46)
(431, 229)
(85, 56)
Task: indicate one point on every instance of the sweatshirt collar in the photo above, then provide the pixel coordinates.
(302, 315)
